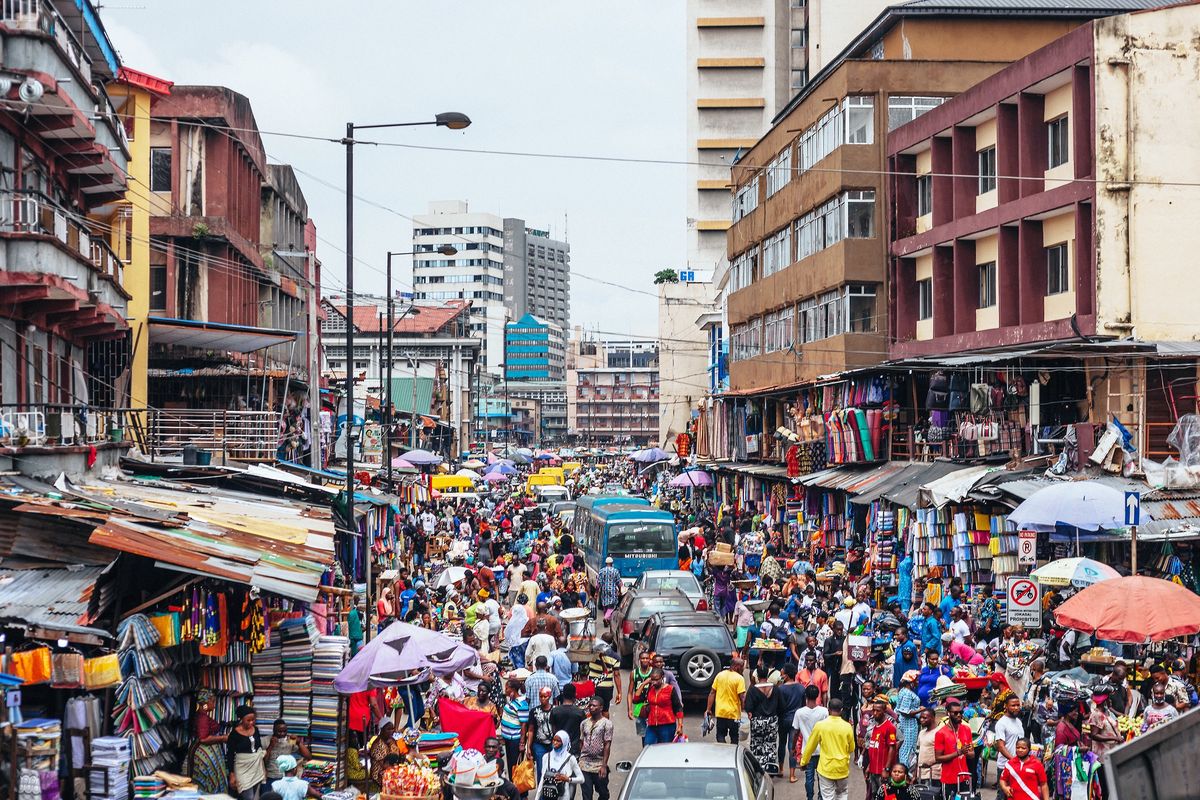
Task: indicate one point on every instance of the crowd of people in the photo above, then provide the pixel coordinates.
(830, 673)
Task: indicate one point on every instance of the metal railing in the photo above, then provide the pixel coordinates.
(60, 424)
(29, 212)
(225, 435)
(38, 15)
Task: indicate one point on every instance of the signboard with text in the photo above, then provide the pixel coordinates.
(1024, 602)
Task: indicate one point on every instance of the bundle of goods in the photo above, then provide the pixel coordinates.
(437, 747)
(410, 781)
(471, 769)
(760, 643)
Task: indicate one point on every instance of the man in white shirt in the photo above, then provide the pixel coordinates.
(803, 721)
(428, 522)
(960, 628)
(1009, 731)
(540, 644)
(516, 576)
(845, 613)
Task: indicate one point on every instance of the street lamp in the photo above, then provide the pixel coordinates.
(454, 121)
(507, 410)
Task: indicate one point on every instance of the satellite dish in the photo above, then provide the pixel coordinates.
(31, 90)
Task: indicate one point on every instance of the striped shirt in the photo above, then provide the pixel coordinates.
(513, 717)
(601, 668)
(534, 684)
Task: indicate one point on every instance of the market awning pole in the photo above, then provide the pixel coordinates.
(1133, 548)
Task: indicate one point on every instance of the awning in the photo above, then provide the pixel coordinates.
(402, 395)
(851, 478)
(953, 487)
(907, 490)
(758, 470)
(216, 335)
(53, 601)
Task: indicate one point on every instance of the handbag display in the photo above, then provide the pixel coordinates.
(981, 398)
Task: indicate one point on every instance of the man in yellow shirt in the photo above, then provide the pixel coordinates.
(726, 697)
(835, 737)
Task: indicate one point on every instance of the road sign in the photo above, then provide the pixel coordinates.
(1133, 508)
(1027, 548)
(1024, 602)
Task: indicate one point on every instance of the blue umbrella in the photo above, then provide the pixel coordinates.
(650, 455)
(502, 468)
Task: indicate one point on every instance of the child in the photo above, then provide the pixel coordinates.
(1024, 777)
(291, 787)
(896, 786)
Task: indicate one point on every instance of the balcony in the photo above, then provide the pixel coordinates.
(51, 426)
(226, 435)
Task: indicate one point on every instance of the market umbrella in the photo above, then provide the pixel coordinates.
(1086, 505)
(422, 458)
(450, 575)
(495, 477)
(519, 458)
(502, 468)
(473, 463)
(1132, 610)
(693, 477)
(400, 465)
(546, 457)
(1074, 572)
(398, 649)
(650, 455)
(522, 451)
(469, 473)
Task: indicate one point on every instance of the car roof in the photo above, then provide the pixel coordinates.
(684, 754)
(667, 573)
(702, 618)
(636, 593)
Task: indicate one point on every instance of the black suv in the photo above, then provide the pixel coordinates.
(696, 645)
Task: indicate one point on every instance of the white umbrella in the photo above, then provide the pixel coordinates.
(449, 576)
(1074, 572)
(1086, 505)
(469, 473)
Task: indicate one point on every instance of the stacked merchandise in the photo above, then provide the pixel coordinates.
(931, 541)
(39, 742)
(147, 707)
(972, 553)
(229, 679)
(298, 638)
(109, 777)
(266, 668)
(149, 787)
(1004, 544)
(328, 659)
(881, 523)
(829, 510)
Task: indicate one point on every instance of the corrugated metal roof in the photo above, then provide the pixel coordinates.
(1040, 7)
(757, 470)
(402, 397)
(906, 492)
(55, 599)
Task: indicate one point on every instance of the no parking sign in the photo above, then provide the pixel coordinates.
(1024, 602)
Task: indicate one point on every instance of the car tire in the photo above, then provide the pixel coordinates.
(698, 668)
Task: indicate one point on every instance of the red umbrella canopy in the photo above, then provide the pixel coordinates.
(1133, 609)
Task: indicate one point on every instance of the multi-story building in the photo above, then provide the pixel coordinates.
(552, 408)
(434, 358)
(525, 420)
(808, 247)
(683, 308)
(612, 391)
(745, 60)
(534, 350)
(64, 338)
(505, 269)
(1044, 209)
(537, 274)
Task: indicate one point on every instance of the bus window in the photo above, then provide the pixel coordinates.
(641, 538)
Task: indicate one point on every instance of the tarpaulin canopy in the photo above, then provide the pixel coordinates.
(215, 335)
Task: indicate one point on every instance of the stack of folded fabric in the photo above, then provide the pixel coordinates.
(148, 787)
(329, 657)
(266, 668)
(298, 637)
(109, 778)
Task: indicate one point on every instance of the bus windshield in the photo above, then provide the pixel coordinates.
(641, 538)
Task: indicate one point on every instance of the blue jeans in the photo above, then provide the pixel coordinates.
(516, 655)
(539, 750)
(659, 734)
(810, 777)
(640, 725)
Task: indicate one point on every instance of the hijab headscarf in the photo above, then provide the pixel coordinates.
(556, 759)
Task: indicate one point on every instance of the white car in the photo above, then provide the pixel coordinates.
(679, 579)
(695, 771)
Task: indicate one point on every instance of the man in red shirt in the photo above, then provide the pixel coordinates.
(881, 748)
(1024, 778)
(951, 745)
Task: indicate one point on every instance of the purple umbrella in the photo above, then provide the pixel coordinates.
(691, 478)
(400, 648)
(502, 468)
(422, 458)
(495, 477)
(650, 455)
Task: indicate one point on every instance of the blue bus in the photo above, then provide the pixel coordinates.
(638, 537)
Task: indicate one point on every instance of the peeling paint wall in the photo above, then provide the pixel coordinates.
(1146, 234)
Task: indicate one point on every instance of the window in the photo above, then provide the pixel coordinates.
(777, 251)
(1059, 131)
(860, 308)
(777, 330)
(746, 199)
(160, 169)
(925, 299)
(987, 170)
(924, 195)
(1058, 272)
(779, 171)
(987, 285)
(902, 110)
(860, 120)
(158, 288)
(821, 139)
(860, 214)
(741, 271)
(745, 341)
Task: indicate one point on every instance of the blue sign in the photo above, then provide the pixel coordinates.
(1133, 508)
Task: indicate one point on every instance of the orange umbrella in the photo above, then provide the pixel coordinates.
(1133, 610)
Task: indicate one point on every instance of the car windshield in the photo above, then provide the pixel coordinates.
(680, 783)
(641, 538)
(684, 583)
(710, 636)
(643, 607)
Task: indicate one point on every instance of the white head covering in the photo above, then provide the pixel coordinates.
(557, 758)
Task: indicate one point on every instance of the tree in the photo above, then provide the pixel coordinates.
(666, 276)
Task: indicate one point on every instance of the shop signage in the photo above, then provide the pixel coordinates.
(1024, 602)
(1027, 548)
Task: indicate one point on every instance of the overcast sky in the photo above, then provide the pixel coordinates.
(552, 76)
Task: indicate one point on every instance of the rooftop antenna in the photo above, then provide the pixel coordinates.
(566, 228)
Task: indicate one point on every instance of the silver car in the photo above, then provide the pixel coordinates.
(679, 579)
(695, 771)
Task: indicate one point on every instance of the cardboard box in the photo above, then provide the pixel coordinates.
(724, 547)
(718, 558)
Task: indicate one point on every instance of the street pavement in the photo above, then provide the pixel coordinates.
(627, 746)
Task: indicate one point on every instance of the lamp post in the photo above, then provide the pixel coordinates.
(453, 121)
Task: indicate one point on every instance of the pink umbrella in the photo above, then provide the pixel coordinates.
(495, 477)
(691, 478)
(399, 463)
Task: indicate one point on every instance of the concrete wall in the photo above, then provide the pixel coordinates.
(1146, 232)
(683, 353)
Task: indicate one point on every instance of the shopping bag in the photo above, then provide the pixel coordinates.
(524, 776)
(66, 670)
(32, 666)
(101, 672)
